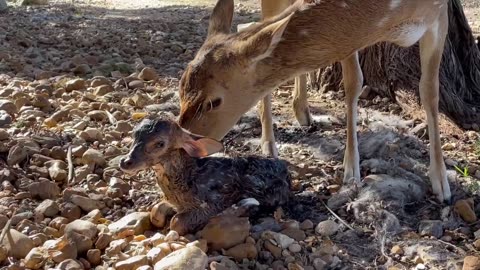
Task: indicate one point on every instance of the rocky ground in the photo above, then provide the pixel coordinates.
(74, 80)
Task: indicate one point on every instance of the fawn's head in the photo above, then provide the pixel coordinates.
(155, 139)
(220, 84)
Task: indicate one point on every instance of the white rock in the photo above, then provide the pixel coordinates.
(132, 263)
(282, 240)
(477, 234)
(86, 203)
(92, 156)
(172, 236)
(36, 258)
(18, 245)
(191, 258)
(295, 248)
(327, 228)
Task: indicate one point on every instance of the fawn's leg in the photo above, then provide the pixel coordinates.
(160, 213)
(267, 141)
(431, 50)
(300, 101)
(189, 222)
(353, 80)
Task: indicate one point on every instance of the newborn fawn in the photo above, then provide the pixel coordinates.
(200, 187)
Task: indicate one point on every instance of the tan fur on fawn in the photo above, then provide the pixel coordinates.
(232, 72)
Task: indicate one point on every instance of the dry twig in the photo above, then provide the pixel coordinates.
(337, 217)
(71, 170)
(7, 227)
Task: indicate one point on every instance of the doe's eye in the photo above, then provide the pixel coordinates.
(160, 144)
(213, 104)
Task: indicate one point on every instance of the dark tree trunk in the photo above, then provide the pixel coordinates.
(393, 70)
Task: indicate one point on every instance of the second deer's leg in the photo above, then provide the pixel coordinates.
(270, 8)
(431, 50)
(300, 101)
(314, 85)
(267, 141)
(353, 80)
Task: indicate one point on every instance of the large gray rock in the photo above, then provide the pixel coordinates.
(33, 2)
(137, 221)
(44, 189)
(431, 228)
(82, 227)
(48, 208)
(87, 204)
(3, 5)
(18, 245)
(7, 105)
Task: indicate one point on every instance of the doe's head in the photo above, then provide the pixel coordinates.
(155, 139)
(222, 82)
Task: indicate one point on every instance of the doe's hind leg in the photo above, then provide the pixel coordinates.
(300, 101)
(431, 51)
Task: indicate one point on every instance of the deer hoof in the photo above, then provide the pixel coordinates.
(440, 186)
(350, 178)
(269, 149)
(304, 118)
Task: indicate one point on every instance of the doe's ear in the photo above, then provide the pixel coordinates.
(261, 44)
(199, 146)
(221, 18)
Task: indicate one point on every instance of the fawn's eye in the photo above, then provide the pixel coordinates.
(160, 144)
(213, 104)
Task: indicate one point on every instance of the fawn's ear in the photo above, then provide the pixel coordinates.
(199, 146)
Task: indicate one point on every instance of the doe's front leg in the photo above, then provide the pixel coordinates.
(267, 141)
(353, 80)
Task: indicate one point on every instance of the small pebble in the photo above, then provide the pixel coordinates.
(295, 248)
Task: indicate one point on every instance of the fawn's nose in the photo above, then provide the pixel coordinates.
(126, 163)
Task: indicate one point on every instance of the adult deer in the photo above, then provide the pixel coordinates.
(231, 72)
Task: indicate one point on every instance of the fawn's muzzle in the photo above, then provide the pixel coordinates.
(126, 163)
